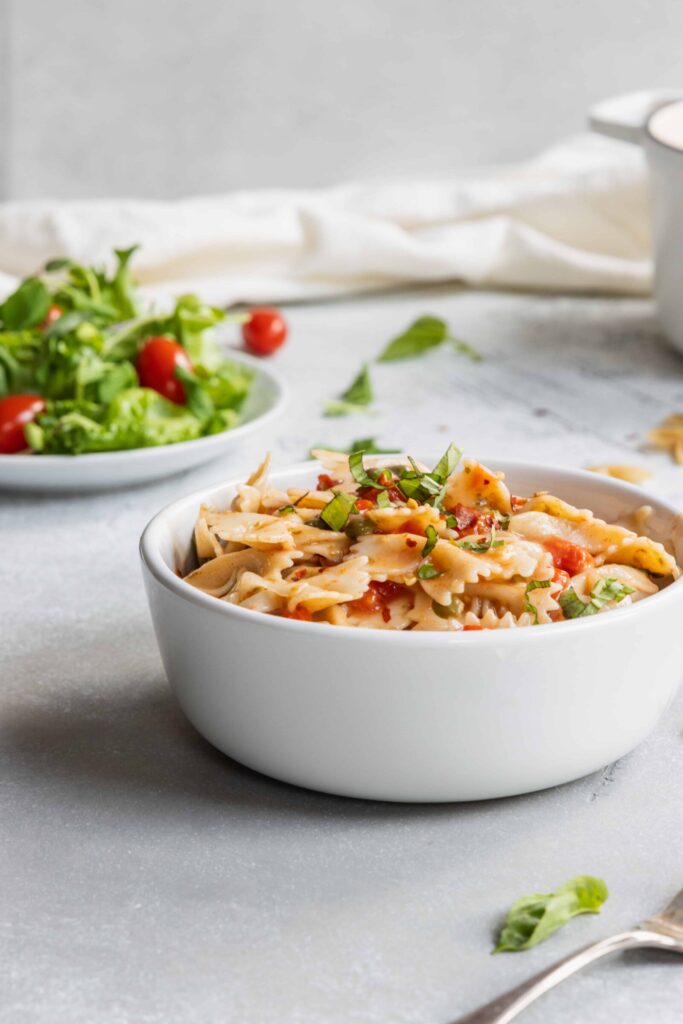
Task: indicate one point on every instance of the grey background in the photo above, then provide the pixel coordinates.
(166, 97)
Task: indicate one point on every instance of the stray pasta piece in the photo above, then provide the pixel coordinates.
(386, 543)
(669, 436)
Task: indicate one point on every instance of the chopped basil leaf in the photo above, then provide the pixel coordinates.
(451, 522)
(447, 463)
(432, 538)
(286, 510)
(427, 571)
(529, 606)
(383, 500)
(532, 919)
(425, 333)
(448, 611)
(481, 546)
(503, 521)
(358, 472)
(336, 513)
(359, 526)
(356, 397)
(602, 593)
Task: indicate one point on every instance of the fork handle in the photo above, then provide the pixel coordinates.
(505, 1007)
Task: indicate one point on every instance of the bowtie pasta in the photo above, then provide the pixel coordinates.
(383, 542)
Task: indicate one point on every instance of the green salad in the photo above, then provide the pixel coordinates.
(84, 369)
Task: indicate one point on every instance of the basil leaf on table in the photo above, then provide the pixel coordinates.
(425, 333)
(361, 444)
(533, 919)
(356, 397)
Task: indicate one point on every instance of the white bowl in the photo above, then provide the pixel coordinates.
(98, 470)
(418, 716)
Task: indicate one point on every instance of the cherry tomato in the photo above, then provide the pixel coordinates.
(156, 366)
(264, 332)
(15, 412)
(53, 313)
(571, 558)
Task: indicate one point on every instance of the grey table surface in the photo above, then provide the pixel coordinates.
(147, 878)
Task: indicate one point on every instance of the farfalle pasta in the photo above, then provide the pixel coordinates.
(383, 542)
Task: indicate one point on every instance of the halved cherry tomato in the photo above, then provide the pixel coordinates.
(156, 366)
(15, 412)
(264, 331)
(571, 558)
(53, 313)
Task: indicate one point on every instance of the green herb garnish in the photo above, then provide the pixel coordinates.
(532, 919)
(359, 526)
(427, 571)
(358, 472)
(383, 500)
(481, 546)
(529, 606)
(425, 333)
(430, 544)
(336, 513)
(603, 592)
(356, 398)
(429, 488)
(448, 611)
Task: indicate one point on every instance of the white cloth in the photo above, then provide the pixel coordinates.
(574, 219)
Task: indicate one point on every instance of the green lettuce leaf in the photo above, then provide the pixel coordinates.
(533, 919)
(26, 307)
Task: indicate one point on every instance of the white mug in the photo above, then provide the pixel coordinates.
(654, 120)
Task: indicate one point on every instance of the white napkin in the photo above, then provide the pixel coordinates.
(574, 219)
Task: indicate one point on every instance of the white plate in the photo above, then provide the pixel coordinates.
(267, 399)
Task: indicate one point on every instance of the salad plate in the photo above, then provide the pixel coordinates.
(103, 470)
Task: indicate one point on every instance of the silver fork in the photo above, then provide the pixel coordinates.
(663, 931)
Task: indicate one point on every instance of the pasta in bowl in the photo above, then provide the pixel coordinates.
(365, 701)
(391, 544)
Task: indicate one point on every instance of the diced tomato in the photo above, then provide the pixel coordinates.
(367, 604)
(371, 493)
(362, 504)
(377, 597)
(471, 629)
(326, 482)
(302, 614)
(468, 520)
(385, 478)
(571, 558)
(388, 590)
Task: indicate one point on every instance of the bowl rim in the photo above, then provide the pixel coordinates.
(127, 455)
(156, 566)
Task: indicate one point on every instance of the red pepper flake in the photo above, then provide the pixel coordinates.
(471, 629)
(386, 613)
(410, 543)
(298, 574)
(326, 482)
